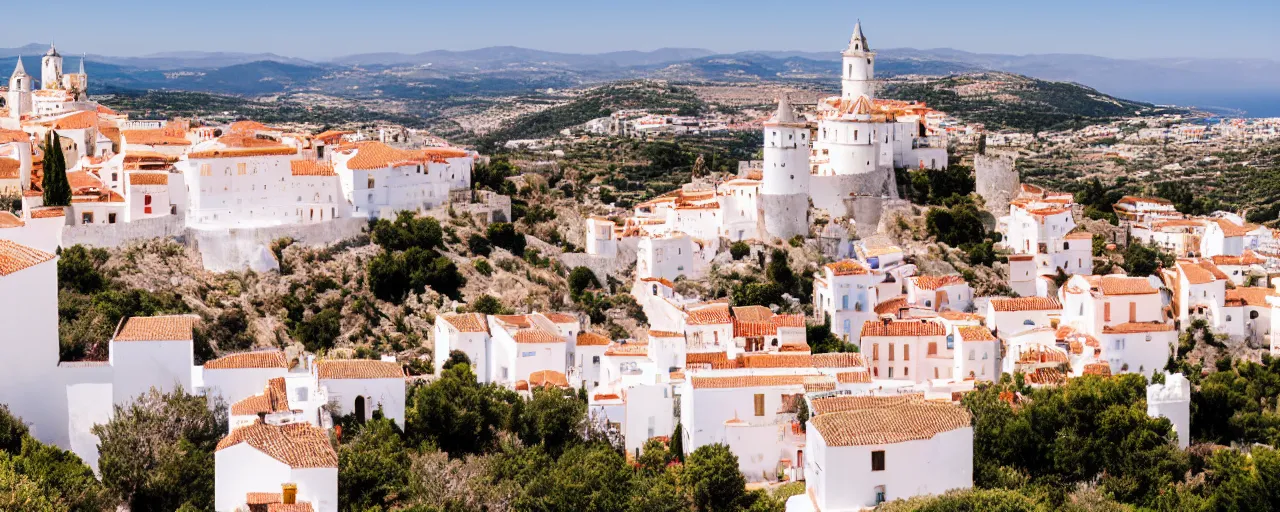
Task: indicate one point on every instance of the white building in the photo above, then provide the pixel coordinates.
(847, 293)
(465, 332)
(255, 461)
(863, 451)
(908, 350)
(234, 377)
(1172, 400)
(362, 386)
(1014, 315)
(940, 293)
(379, 180)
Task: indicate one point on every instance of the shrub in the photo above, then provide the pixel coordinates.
(739, 250)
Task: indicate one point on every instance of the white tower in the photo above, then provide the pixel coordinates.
(19, 100)
(784, 194)
(51, 69)
(858, 75)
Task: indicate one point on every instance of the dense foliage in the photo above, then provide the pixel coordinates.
(596, 103)
(54, 184)
(156, 453)
(42, 478)
(410, 261)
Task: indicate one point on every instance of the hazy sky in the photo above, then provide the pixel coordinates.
(319, 29)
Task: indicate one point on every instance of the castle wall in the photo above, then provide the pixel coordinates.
(996, 180)
(231, 249)
(785, 216)
(866, 210)
(120, 233)
(831, 192)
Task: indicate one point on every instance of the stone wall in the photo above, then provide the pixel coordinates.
(120, 233)
(785, 216)
(830, 192)
(866, 211)
(237, 249)
(996, 180)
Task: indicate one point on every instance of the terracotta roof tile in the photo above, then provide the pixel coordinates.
(1121, 285)
(275, 398)
(591, 339)
(627, 349)
(537, 336)
(15, 257)
(262, 498)
(1231, 230)
(243, 360)
(1046, 377)
(9, 220)
(370, 155)
(78, 121)
(301, 506)
(1137, 327)
(1249, 296)
(311, 168)
(300, 445)
(467, 322)
(242, 152)
(561, 318)
(548, 378)
(714, 314)
(975, 333)
(155, 137)
(935, 282)
(48, 212)
(659, 280)
(857, 377)
(839, 403)
(358, 369)
(664, 334)
(795, 347)
(752, 313)
(710, 359)
(748, 381)
(776, 360)
(1100, 369)
(847, 268)
(902, 328)
(157, 328)
(819, 383)
(839, 360)
(908, 421)
(1026, 304)
(891, 306)
(148, 178)
(1248, 258)
(7, 136)
(1041, 354)
(514, 320)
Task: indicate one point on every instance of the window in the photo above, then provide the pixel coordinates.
(933, 348)
(111, 219)
(1106, 312)
(875, 351)
(595, 359)
(146, 205)
(906, 352)
(890, 351)
(86, 218)
(971, 354)
(240, 169)
(877, 460)
(951, 341)
(890, 372)
(370, 182)
(759, 398)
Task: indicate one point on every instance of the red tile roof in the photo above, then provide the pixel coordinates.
(714, 314)
(561, 318)
(1249, 296)
(627, 349)
(300, 445)
(887, 327)
(548, 378)
(1100, 369)
(148, 178)
(891, 306)
(591, 339)
(537, 336)
(1248, 258)
(839, 360)
(15, 257)
(1137, 327)
(48, 212)
(10, 169)
(1046, 376)
(886, 424)
(975, 333)
(467, 322)
(311, 168)
(838, 403)
(935, 282)
(855, 377)
(9, 220)
(243, 360)
(847, 268)
(748, 381)
(275, 398)
(156, 137)
(358, 369)
(1121, 285)
(157, 328)
(1026, 304)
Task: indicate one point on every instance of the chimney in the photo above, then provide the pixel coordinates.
(288, 494)
(262, 417)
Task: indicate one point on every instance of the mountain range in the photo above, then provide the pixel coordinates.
(1239, 84)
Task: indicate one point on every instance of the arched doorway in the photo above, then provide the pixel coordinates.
(360, 409)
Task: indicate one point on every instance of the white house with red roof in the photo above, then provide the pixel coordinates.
(379, 180)
(1247, 313)
(1243, 269)
(234, 377)
(524, 344)
(467, 333)
(264, 465)
(940, 293)
(863, 451)
(1042, 224)
(976, 353)
(907, 350)
(362, 386)
(1011, 315)
(847, 293)
(1124, 316)
(1199, 291)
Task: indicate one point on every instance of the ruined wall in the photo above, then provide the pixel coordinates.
(996, 180)
(120, 233)
(237, 249)
(866, 212)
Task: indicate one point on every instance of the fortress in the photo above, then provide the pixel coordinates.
(849, 150)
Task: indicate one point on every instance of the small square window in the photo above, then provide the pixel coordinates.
(877, 460)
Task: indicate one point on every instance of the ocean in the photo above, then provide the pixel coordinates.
(1226, 103)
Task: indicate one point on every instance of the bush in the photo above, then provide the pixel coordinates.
(580, 279)
(478, 245)
(739, 250)
(504, 235)
(483, 267)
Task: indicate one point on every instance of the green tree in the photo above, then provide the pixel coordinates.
(373, 468)
(488, 305)
(156, 453)
(54, 184)
(504, 235)
(580, 279)
(677, 443)
(479, 245)
(586, 477)
(712, 478)
(739, 250)
(457, 414)
(1145, 260)
(654, 456)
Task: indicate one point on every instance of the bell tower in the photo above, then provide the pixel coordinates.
(858, 75)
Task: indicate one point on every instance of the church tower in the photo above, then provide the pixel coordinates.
(784, 194)
(858, 75)
(19, 100)
(77, 82)
(51, 69)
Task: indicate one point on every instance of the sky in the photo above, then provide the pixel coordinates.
(322, 29)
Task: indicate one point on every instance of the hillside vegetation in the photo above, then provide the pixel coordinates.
(1008, 101)
(600, 102)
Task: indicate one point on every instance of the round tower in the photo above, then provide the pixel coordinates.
(784, 193)
(858, 75)
(51, 69)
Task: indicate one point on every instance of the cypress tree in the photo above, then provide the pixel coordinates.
(676, 447)
(57, 190)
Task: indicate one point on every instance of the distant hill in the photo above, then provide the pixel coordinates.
(506, 56)
(1006, 100)
(599, 102)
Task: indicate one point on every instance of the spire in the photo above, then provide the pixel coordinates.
(858, 42)
(53, 51)
(785, 113)
(19, 70)
(82, 57)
